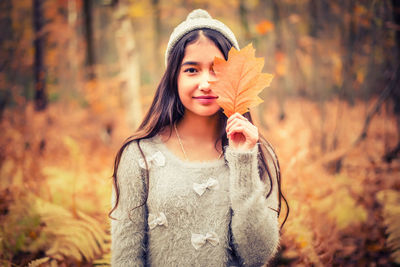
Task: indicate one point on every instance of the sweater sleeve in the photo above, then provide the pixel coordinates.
(128, 228)
(255, 227)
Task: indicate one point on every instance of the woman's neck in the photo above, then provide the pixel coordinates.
(200, 128)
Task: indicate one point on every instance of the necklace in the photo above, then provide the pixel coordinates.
(183, 149)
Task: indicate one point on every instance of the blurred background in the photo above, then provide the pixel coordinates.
(77, 76)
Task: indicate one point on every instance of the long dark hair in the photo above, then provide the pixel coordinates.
(167, 109)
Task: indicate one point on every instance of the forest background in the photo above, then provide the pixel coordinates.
(76, 77)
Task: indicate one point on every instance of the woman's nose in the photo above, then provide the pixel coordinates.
(204, 85)
(205, 81)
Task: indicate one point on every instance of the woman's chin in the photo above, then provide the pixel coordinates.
(203, 111)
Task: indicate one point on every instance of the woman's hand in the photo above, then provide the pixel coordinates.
(242, 134)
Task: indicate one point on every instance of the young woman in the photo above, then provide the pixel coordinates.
(193, 187)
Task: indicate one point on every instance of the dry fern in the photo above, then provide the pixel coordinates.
(390, 200)
(54, 230)
(73, 237)
(341, 207)
(104, 261)
(39, 262)
(301, 237)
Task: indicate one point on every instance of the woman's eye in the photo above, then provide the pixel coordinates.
(191, 70)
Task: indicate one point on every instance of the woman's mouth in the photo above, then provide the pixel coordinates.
(206, 99)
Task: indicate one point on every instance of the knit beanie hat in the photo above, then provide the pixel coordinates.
(198, 19)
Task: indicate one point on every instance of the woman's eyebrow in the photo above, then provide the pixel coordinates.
(190, 63)
(194, 63)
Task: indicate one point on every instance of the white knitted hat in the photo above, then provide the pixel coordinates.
(198, 19)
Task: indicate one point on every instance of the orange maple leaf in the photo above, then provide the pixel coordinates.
(239, 80)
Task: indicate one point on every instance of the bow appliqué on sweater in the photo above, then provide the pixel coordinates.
(209, 184)
(156, 159)
(198, 240)
(155, 220)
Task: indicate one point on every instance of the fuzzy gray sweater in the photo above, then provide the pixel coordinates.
(197, 213)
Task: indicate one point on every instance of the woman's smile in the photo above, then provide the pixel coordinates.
(206, 99)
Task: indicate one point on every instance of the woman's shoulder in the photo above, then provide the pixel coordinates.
(134, 146)
(133, 155)
(127, 161)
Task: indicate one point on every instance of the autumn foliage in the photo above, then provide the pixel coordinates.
(57, 199)
(334, 62)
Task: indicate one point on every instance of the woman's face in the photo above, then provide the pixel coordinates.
(196, 71)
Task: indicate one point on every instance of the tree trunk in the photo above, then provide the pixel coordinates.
(348, 40)
(40, 97)
(6, 52)
(318, 88)
(244, 20)
(279, 56)
(395, 96)
(90, 52)
(6, 33)
(130, 65)
(157, 36)
(264, 5)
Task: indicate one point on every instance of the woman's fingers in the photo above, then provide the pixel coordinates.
(232, 125)
(246, 129)
(241, 132)
(241, 122)
(234, 119)
(236, 116)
